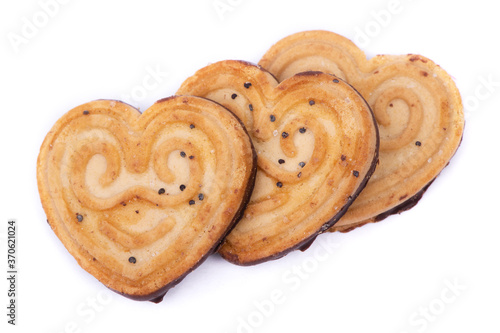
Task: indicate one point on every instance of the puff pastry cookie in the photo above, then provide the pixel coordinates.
(317, 146)
(142, 200)
(417, 106)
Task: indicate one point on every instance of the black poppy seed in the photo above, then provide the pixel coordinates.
(161, 191)
(299, 174)
(191, 126)
(281, 161)
(132, 260)
(79, 217)
(247, 85)
(343, 157)
(191, 157)
(201, 196)
(183, 154)
(302, 164)
(182, 187)
(335, 80)
(191, 202)
(250, 106)
(418, 143)
(355, 173)
(311, 102)
(137, 212)
(284, 135)
(86, 112)
(272, 118)
(302, 130)
(233, 96)
(124, 204)
(279, 184)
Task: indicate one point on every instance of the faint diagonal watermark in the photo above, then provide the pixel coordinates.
(380, 20)
(87, 311)
(225, 7)
(292, 279)
(32, 25)
(486, 87)
(429, 312)
(153, 78)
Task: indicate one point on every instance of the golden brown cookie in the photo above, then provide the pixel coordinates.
(142, 200)
(417, 106)
(317, 145)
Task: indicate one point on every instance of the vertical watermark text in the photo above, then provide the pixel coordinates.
(12, 272)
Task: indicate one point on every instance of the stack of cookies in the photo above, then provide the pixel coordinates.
(252, 161)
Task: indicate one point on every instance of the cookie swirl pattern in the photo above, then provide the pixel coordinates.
(416, 104)
(141, 200)
(317, 146)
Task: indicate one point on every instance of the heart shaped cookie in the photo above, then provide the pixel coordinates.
(142, 200)
(417, 106)
(317, 145)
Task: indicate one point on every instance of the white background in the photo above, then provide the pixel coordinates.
(380, 278)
